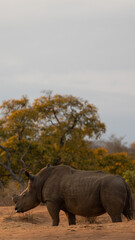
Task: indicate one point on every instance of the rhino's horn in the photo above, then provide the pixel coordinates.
(30, 176)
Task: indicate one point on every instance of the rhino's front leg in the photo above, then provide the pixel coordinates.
(53, 210)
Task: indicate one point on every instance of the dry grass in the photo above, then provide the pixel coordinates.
(7, 193)
(23, 217)
(91, 219)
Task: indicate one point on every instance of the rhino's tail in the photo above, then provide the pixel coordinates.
(129, 206)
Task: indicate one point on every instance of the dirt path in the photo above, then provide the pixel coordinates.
(36, 225)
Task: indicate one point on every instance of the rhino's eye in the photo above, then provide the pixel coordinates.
(24, 194)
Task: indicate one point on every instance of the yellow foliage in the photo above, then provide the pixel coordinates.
(56, 146)
(115, 163)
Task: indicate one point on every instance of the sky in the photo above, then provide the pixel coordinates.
(81, 48)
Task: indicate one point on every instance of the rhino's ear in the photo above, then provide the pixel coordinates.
(30, 176)
(15, 198)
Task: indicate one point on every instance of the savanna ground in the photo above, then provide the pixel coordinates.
(36, 225)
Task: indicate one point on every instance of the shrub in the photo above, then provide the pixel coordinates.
(129, 177)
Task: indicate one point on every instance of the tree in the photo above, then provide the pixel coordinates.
(17, 133)
(66, 123)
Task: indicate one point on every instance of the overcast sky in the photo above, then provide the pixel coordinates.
(81, 47)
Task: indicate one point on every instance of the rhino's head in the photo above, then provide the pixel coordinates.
(28, 198)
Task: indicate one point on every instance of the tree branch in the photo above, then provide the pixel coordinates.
(67, 131)
(56, 116)
(8, 166)
(52, 122)
(8, 156)
(21, 159)
(9, 170)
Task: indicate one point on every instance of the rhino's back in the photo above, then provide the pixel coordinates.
(64, 178)
(69, 182)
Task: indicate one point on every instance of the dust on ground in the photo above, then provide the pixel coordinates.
(36, 225)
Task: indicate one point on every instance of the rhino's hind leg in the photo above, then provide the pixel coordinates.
(114, 213)
(114, 210)
(53, 210)
(71, 218)
(128, 214)
(116, 218)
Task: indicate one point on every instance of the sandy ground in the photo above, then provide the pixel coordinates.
(36, 225)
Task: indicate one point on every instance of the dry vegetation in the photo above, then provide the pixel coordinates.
(7, 193)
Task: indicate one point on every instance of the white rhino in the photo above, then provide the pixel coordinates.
(76, 192)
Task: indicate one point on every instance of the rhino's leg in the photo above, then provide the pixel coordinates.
(53, 210)
(114, 213)
(116, 218)
(71, 218)
(113, 198)
(114, 210)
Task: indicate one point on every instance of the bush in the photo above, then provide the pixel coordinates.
(129, 177)
(115, 163)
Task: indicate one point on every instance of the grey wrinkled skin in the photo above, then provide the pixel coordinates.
(76, 192)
